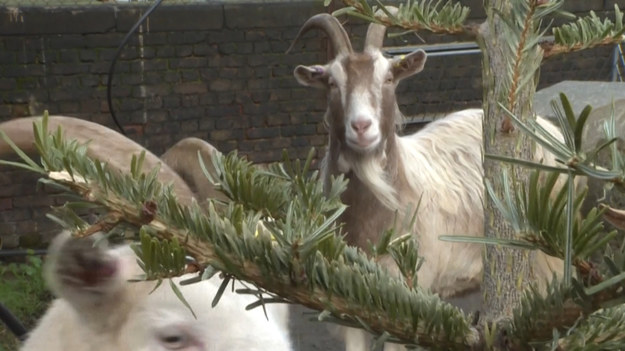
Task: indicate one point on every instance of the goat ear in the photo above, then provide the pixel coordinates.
(311, 76)
(405, 66)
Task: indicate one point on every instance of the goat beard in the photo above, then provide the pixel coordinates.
(371, 170)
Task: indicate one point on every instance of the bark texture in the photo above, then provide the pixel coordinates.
(506, 271)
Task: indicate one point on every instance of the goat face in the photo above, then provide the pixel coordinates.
(362, 107)
(100, 310)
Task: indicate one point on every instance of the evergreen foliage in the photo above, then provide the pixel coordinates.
(278, 231)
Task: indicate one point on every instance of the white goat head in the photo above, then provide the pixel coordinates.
(362, 107)
(98, 309)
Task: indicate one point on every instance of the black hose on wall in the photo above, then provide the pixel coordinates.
(13, 324)
(117, 54)
(8, 318)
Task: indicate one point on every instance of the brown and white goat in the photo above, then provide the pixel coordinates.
(105, 145)
(439, 169)
(179, 165)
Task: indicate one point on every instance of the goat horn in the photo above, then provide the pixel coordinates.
(333, 29)
(376, 32)
(375, 36)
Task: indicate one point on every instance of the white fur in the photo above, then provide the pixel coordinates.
(359, 111)
(338, 76)
(443, 166)
(125, 316)
(370, 170)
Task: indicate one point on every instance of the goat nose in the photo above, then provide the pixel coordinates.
(361, 125)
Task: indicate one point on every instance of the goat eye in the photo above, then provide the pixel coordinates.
(388, 80)
(174, 342)
(331, 83)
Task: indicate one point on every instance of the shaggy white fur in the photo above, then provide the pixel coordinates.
(99, 310)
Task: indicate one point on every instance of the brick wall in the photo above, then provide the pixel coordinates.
(204, 70)
(217, 71)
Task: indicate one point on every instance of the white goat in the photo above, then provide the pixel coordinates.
(438, 168)
(99, 310)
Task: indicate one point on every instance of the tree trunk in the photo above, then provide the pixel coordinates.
(505, 270)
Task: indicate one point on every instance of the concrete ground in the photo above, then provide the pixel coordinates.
(308, 334)
(311, 335)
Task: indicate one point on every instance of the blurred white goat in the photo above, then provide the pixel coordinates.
(99, 310)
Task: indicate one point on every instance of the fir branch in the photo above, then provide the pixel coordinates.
(295, 253)
(343, 283)
(449, 18)
(553, 48)
(603, 330)
(586, 32)
(539, 216)
(520, 37)
(550, 318)
(281, 254)
(568, 155)
(540, 314)
(432, 15)
(521, 47)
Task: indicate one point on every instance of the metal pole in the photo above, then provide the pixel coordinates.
(615, 56)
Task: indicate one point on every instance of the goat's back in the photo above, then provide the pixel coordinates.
(105, 145)
(444, 178)
(445, 175)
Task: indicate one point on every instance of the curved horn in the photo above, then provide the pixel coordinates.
(105, 144)
(333, 29)
(376, 32)
(375, 36)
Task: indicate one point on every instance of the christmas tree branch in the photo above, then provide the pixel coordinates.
(434, 16)
(587, 32)
(450, 18)
(603, 330)
(291, 250)
(521, 47)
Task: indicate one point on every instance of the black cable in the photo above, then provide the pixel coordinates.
(9, 319)
(117, 54)
(14, 325)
